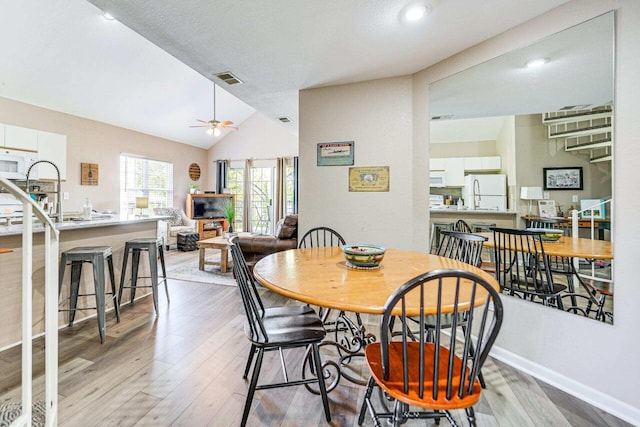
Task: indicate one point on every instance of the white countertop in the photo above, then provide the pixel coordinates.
(453, 210)
(10, 230)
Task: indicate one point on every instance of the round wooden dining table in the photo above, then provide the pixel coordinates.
(570, 247)
(320, 276)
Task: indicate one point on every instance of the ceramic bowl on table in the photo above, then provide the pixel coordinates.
(363, 255)
(550, 234)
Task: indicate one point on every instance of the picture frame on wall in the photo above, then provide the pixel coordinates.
(566, 178)
(335, 153)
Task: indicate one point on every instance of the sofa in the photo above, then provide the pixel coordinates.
(178, 222)
(256, 246)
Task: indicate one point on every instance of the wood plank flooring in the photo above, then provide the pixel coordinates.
(184, 368)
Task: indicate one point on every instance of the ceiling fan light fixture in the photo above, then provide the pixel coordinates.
(216, 132)
(210, 131)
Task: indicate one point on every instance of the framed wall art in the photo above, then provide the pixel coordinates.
(89, 174)
(592, 208)
(547, 208)
(371, 178)
(335, 153)
(568, 178)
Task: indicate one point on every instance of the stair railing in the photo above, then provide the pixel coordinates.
(51, 246)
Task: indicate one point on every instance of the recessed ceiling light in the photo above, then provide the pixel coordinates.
(108, 16)
(538, 62)
(415, 12)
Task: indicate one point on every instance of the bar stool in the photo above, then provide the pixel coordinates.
(96, 255)
(436, 228)
(154, 247)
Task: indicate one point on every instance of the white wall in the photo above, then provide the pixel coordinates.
(259, 137)
(376, 115)
(584, 357)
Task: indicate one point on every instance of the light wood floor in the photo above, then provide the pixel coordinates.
(184, 368)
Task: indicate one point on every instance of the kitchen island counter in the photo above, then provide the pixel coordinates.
(113, 232)
(506, 219)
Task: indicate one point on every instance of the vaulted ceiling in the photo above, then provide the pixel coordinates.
(151, 68)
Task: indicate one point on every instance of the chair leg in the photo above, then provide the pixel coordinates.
(321, 384)
(367, 401)
(114, 297)
(252, 387)
(249, 360)
(164, 271)
(471, 417)
(122, 273)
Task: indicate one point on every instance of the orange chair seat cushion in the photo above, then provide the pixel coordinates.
(395, 385)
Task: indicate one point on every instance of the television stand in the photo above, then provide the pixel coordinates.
(208, 228)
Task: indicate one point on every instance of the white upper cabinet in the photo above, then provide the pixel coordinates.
(52, 147)
(454, 171)
(20, 138)
(436, 164)
(487, 163)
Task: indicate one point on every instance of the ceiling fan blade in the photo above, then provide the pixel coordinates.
(202, 121)
(198, 126)
(229, 127)
(226, 123)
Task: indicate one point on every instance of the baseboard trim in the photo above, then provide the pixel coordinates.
(590, 395)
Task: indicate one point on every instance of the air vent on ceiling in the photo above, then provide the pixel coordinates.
(285, 119)
(447, 117)
(229, 78)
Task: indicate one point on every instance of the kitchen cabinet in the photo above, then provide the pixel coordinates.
(19, 138)
(487, 163)
(436, 164)
(52, 147)
(454, 171)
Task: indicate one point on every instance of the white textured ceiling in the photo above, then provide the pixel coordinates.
(61, 54)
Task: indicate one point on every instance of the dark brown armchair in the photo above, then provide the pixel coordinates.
(256, 247)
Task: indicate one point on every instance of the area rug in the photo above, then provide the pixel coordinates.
(188, 270)
(10, 412)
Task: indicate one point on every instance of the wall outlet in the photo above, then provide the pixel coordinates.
(65, 195)
(574, 198)
(545, 195)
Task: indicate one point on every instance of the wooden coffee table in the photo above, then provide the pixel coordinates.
(221, 243)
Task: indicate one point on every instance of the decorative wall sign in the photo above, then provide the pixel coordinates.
(335, 153)
(194, 171)
(371, 178)
(89, 174)
(563, 178)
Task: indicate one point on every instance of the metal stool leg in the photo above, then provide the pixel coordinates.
(153, 267)
(135, 263)
(76, 274)
(98, 278)
(122, 274)
(114, 295)
(164, 270)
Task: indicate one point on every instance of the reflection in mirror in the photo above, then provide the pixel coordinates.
(535, 128)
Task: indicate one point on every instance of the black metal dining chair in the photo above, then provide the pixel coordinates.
(438, 375)
(522, 267)
(321, 236)
(276, 328)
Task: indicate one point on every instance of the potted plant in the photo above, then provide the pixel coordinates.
(230, 213)
(193, 188)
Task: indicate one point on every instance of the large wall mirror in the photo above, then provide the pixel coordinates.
(541, 127)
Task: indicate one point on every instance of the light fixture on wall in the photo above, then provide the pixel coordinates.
(530, 194)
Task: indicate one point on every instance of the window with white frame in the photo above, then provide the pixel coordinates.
(235, 183)
(141, 177)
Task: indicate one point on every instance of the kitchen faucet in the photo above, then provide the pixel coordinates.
(58, 198)
(476, 203)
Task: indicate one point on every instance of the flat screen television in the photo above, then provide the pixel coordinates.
(208, 207)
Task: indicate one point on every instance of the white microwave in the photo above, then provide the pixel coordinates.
(437, 179)
(14, 164)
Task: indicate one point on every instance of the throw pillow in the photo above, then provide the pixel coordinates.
(289, 227)
(279, 225)
(176, 216)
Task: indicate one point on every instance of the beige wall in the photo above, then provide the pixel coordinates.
(583, 357)
(89, 141)
(260, 137)
(464, 149)
(376, 115)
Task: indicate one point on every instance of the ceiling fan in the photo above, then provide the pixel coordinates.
(214, 126)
